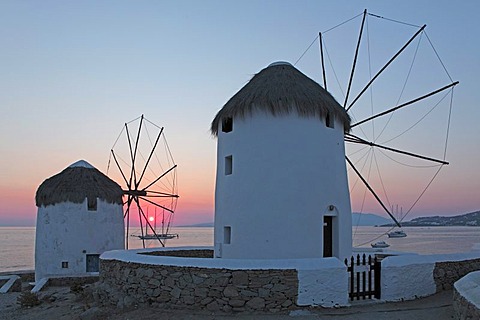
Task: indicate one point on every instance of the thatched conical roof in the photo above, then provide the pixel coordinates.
(77, 182)
(282, 89)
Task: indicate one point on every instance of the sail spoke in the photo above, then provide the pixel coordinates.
(373, 192)
(159, 194)
(120, 168)
(355, 139)
(149, 158)
(147, 223)
(384, 67)
(355, 59)
(156, 204)
(404, 104)
(160, 177)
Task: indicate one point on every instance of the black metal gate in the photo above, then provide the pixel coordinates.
(364, 276)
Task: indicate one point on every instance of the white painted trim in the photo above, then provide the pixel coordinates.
(39, 285)
(10, 281)
(409, 277)
(469, 288)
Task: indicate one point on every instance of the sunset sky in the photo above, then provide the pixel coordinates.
(73, 72)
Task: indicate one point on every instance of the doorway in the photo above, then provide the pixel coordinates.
(93, 262)
(327, 236)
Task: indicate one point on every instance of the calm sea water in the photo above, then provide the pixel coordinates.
(17, 244)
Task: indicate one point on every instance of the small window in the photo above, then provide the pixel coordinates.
(227, 124)
(227, 235)
(92, 204)
(64, 264)
(228, 165)
(329, 120)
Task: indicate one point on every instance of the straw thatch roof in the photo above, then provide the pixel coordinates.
(77, 182)
(281, 89)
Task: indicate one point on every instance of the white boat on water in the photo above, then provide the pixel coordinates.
(160, 236)
(380, 244)
(397, 234)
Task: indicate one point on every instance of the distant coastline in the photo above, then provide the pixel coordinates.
(203, 225)
(471, 219)
(373, 220)
(366, 220)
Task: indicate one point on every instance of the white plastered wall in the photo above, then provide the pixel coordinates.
(67, 232)
(286, 173)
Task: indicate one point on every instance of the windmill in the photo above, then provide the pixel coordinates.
(147, 170)
(367, 140)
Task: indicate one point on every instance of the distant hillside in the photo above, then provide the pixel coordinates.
(368, 219)
(205, 224)
(468, 219)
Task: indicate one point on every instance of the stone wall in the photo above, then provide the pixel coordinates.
(126, 284)
(446, 273)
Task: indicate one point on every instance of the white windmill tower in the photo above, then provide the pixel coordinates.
(79, 217)
(281, 184)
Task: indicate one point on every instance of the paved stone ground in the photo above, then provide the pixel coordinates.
(59, 303)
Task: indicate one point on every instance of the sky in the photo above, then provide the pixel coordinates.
(73, 72)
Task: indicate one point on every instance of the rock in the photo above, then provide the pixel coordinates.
(176, 292)
(230, 291)
(75, 307)
(156, 292)
(163, 297)
(236, 303)
(213, 306)
(201, 292)
(149, 273)
(154, 282)
(227, 308)
(92, 314)
(262, 293)
(189, 300)
(287, 303)
(206, 301)
(128, 301)
(169, 282)
(248, 293)
(256, 303)
(239, 278)
(197, 279)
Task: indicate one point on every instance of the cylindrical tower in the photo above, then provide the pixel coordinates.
(79, 216)
(281, 185)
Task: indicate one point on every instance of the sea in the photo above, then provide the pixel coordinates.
(17, 244)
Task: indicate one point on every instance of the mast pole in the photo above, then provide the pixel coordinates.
(323, 62)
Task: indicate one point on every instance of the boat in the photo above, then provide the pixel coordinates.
(164, 236)
(380, 244)
(397, 234)
(156, 234)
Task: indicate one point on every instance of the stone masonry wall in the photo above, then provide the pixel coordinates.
(126, 284)
(446, 273)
